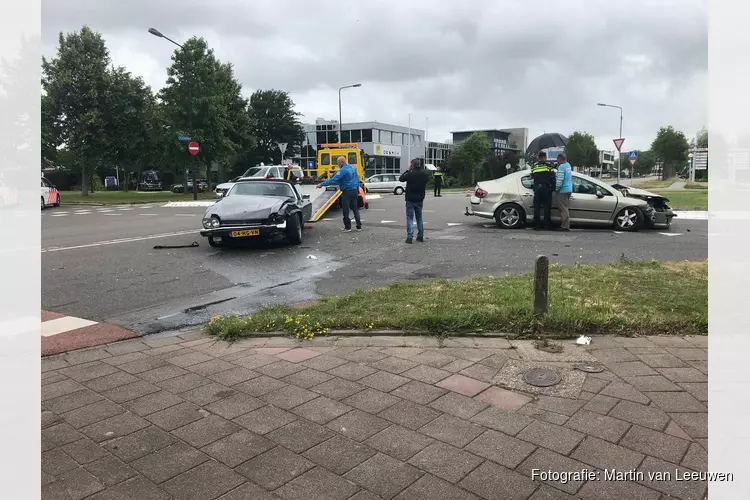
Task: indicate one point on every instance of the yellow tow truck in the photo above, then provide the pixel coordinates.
(326, 168)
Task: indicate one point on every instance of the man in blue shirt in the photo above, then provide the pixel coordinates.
(348, 182)
(564, 188)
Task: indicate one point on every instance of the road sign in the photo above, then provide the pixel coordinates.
(194, 148)
(633, 157)
(184, 138)
(618, 143)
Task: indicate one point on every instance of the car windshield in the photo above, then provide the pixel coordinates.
(262, 189)
(254, 172)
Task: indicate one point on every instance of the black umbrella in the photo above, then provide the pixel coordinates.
(546, 141)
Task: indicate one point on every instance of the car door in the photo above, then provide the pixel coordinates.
(591, 203)
(375, 183)
(304, 204)
(526, 190)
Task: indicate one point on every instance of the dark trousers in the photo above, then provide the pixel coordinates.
(543, 199)
(438, 185)
(350, 200)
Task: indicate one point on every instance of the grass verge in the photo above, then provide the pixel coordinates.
(696, 185)
(627, 298)
(656, 183)
(687, 200)
(128, 197)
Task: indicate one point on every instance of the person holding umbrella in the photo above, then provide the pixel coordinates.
(544, 180)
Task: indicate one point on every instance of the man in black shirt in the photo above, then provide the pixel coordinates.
(416, 180)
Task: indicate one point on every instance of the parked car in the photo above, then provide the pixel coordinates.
(272, 209)
(385, 183)
(50, 195)
(262, 172)
(510, 201)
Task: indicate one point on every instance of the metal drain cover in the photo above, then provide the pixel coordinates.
(590, 367)
(541, 377)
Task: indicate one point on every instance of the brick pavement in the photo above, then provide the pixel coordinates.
(188, 418)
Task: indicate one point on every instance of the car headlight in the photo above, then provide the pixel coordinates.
(276, 218)
(211, 222)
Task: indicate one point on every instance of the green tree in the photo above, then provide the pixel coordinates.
(273, 120)
(75, 83)
(467, 158)
(671, 148)
(645, 163)
(701, 139)
(581, 150)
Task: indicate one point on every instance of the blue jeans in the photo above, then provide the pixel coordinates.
(414, 208)
(350, 201)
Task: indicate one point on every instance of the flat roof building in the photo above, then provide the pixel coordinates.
(501, 140)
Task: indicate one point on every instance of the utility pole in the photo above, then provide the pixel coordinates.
(340, 89)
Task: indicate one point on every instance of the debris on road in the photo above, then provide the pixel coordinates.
(312, 257)
(162, 247)
(583, 340)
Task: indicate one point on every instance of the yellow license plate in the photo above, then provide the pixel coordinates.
(242, 234)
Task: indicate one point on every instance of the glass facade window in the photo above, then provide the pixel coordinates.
(321, 137)
(385, 137)
(398, 139)
(356, 136)
(367, 135)
(346, 136)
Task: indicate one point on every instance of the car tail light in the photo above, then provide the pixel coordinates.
(480, 193)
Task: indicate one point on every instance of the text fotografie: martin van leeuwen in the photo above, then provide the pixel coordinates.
(563, 477)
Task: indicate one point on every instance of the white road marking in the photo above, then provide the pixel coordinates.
(373, 196)
(173, 204)
(122, 240)
(455, 223)
(64, 324)
(148, 214)
(82, 212)
(64, 214)
(489, 225)
(108, 215)
(377, 209)
(185, 215)
(125, 209)
(105, 211)
(387, 221)
(617, 232)
(671, 234)
(691, 215)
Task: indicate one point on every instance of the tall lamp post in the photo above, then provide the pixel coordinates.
(159, 34)
(342, 88)
(619, 156)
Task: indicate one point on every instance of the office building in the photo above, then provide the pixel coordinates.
(388, 148)
(437, 153)
(501, 140)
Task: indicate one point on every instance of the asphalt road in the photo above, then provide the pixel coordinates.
(100, 263)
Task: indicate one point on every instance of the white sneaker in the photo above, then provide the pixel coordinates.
(345, 230)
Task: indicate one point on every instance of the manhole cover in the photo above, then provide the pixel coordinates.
(590, 367)
(541, 377)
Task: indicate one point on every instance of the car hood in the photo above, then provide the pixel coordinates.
(225, 185)
(634, 192)
(246, 207)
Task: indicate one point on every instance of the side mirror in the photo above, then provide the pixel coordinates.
(599, 193)
(305, 196)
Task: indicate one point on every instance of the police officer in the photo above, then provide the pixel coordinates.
(544, 180)
(438, 177)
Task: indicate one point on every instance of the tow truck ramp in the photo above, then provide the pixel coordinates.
(324, 201)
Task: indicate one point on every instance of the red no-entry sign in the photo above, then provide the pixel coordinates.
(194, 148)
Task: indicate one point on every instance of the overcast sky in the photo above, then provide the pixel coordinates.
(540, 64)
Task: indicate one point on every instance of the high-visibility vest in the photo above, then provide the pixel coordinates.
(540, 167)
(438, 174)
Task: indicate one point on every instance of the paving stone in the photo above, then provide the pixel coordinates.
(54, 363)
(74, 484)
(622, 390)
(683, 374)
(419, 392)
(696, 458)
(371, 400)
(169, 462)
(384, 381)
(457, 365)
(458, 405)
(399, 442)
(121, 359)
(699, 390)
(211, 367)
(338, 388)
(403, 352)
(593, 384)
(433, 358)
(480, 372)
(235, 405)
(259, 386)
(289, 396)
(601, 404)
(56, 462)
(318, 484)
(324, 363)
(655, 443)
(279, 369)
(206, 430)
(689, 354)
(394, 364)
(493, 482)
(383, 475)
(90, 414)
(426, 374)
(162, 373)
(61, 434)
(646, 416)
(352, 371)
(275, 467)
(183, 383)
(670, 341)
(548, 493)
(265, 419)
(130, 391)
(675, 430)
(189, 359)
(175, 416)
(152, 403)
(339, 454)
(546, 416)
(110, 470)
(139, 444)
(208, 393)
(653, 383)
(677, 402)
(551, 436)
(88, 371)
(61, 388)
(695, 424)
(670, 486)
(49, 418)
(143, 365)
(233, 376)
(307, 378)
(503, 399)
(613, 355)
(68, 402)
(701, 366)
(500, 448)
(253, 361)
(409, 414)
(322, 410)
(167, 351)
(601, 426)
(298, 355)
(463, 385)
(52, 377)
(445, 461)
(362, 355)
(207, 481)
(586, 396)
(565, 406)
(663, 360)
(605, 455)
(500, 420)
(114, 427)
(547, 460)
(300, 436)
(598, 490)
(434, 488)
(496, 361)
(238, 448)
(452, 430)
(249, 491)
(272, 351)
(111, 381)
(358, 425)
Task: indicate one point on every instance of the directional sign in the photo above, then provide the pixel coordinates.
(618, 142)
(194, 148)
(184, 138)
(633, 157)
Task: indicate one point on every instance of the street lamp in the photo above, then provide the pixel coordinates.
(342, 88)
(159, 34)
(619, 156)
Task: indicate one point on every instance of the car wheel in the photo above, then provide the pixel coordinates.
(43, 204)
(629, 219)
(294, 229)
(367, 206)
(213, 243)
(509, 216)
(59, 200)
(398, 191)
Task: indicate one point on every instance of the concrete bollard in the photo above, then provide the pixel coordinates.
(541, 286)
